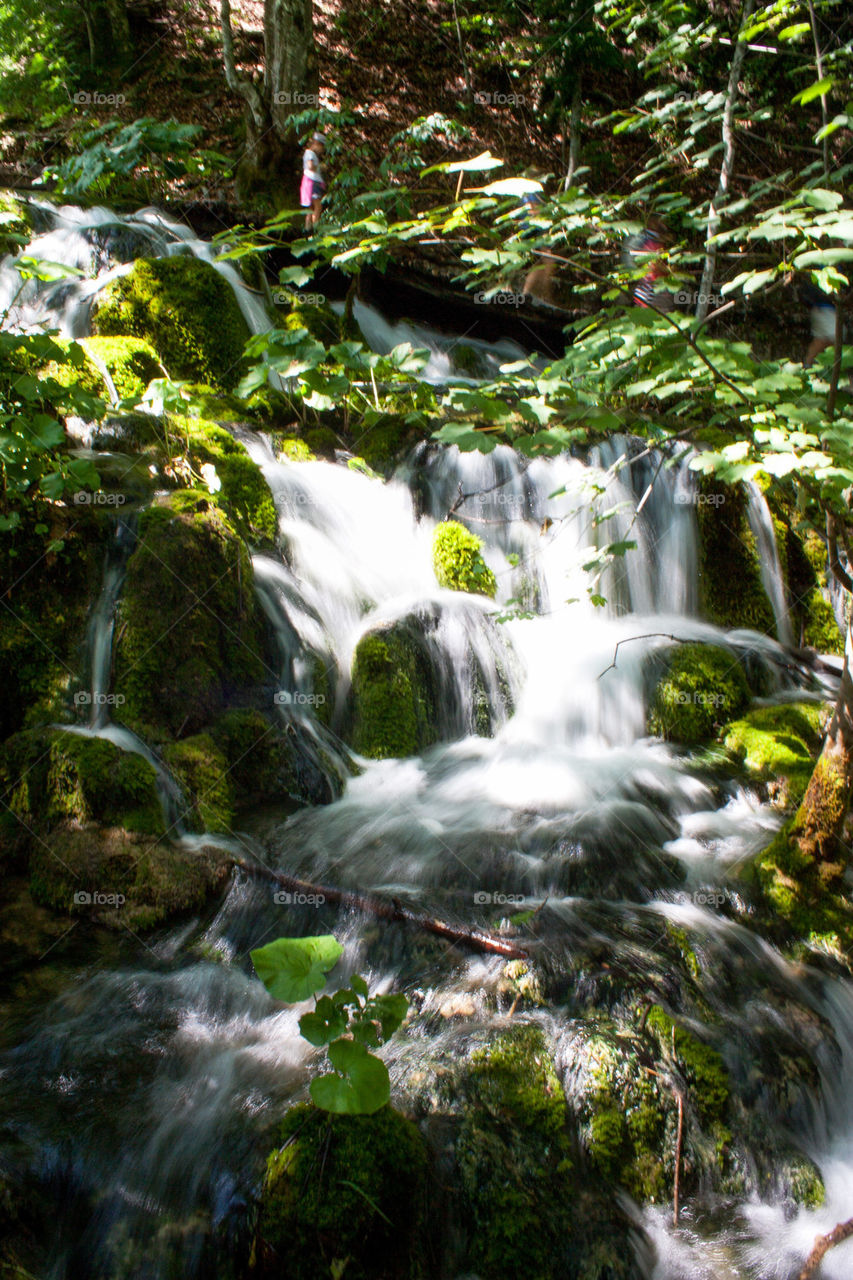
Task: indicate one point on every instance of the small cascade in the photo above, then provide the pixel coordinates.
(172, 800)
(101, 625)
(772, 579)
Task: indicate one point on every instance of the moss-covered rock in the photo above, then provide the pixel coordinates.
(386, 442)
(703, 686)
(345, 1191)
(292, 449)
(45, 599)
(458, 562)
(811, 611)
(316, 317)
(190, 640)
(514, 1155)
(393, 694)
(187, 312)
(48, 776)
(244, 494)
(115, 877)
(730, 590)
(202, 772)
(778, 744)
(131, 363)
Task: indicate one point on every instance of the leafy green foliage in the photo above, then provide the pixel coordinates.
(350, 1023)
(113, 151)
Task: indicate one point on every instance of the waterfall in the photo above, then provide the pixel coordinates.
(772, 580)
(145, 1079)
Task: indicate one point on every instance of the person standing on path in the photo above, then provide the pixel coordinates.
(313, 180)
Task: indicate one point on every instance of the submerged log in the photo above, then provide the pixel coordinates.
(393, 911)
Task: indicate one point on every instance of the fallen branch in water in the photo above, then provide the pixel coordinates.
(823, 1244)
(678, 1145)
(393, 910)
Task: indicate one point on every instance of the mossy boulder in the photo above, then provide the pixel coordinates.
(514, 1156)
(49, 776)
(187, 312)
(190, 639)
(316, 317)
(46, 596)
(117, 878)
(292, 449)
(201, 770)
(703, 686)
(812, 613)
(778, 744)
(393, 694)
(244, 494)
(131, 363)
(342, 1191)
(730, 590)
(458, 561)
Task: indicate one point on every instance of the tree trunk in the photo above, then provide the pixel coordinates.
(574, 132)
(269, 166)
(108, 32)
(818, 825)
(707, 285)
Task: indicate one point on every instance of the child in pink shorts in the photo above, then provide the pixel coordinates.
(313, 180)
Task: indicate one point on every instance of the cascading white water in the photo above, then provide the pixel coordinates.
(761, 524)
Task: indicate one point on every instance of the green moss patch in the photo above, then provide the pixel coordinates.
(190, 639)
(458, 561)
(703, 687)
(730, 590)
(779, 742)
(201, 769)
(342, 1188)
(187, 312)
(393, 698)
(244, 494)
(515, 1164)
(131, 363)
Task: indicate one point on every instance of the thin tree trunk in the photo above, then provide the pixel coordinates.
(236, 83)
(574, 132)
(823, 104)
(726, 169)
(465, 67)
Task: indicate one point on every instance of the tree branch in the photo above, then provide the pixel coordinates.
(235, 82)
(823, 1244)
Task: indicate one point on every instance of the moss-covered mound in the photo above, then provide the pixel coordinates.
(703, 687)
(190, 640)
(244, 494)
(393, 694)
(115, 877)
(386, 442)
(48, 776)
(44, 604)
(514, 1160)
(812, 613)
(730, 590)
(131, 363)
(778, 744)
(458, 562)
(345, 1192)
(187, 312)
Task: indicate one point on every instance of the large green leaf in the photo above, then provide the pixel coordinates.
(360, 1085)
(325, 1023)
(292, 969)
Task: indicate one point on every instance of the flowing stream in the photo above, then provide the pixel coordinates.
(140, 1088)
